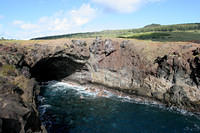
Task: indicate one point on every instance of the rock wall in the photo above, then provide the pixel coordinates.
(172, 77)
(18, 113)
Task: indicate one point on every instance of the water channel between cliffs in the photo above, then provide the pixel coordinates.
(76, 109)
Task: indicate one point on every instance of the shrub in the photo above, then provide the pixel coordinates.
(8, 70)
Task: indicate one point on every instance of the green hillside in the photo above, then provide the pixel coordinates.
(155, 32)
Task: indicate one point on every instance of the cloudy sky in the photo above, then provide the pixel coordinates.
(25, 19)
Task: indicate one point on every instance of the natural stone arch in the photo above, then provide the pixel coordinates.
(54, 68)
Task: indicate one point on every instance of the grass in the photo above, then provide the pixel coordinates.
(7, 42)
(8, 70)
(153, 32)
(193, 36)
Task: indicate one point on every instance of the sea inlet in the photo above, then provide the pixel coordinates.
(66, 108)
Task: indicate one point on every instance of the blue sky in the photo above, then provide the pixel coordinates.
(25, 19)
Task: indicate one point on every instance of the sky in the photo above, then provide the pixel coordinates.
(26, 19)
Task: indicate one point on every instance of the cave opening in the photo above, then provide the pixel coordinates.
(54, 68)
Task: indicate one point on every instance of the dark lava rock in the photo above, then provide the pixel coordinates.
(196, 51)
(79, 42)
(26, 72)
(109, 48)
(97, 46)
(177, 96)
(173, 78)
(124, 44)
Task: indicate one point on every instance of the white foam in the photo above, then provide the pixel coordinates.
(87, 92)
(182, 112)
(40, 99)
(43, 108)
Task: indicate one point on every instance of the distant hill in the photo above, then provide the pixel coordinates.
(155, 32)
(152, 25)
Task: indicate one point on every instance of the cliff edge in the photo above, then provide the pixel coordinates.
(167, 72)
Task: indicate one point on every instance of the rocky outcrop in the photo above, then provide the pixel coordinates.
(171, 76)
(123, 67)
(18, 112)
(20, 67)
(172, 79)
(181, 70)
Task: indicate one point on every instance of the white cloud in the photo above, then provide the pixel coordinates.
(29, 26)
(123, 6)
(60, 23)
(25, 26)
(83, 15)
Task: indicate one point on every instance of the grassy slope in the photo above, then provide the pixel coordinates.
(166, 36)
(154, 32)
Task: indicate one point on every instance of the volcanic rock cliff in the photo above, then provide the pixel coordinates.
(167, 72)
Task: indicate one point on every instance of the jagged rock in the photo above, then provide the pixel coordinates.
(26, 72)
(100, 47)
(196, 52)
(79, 43)
(178, 96)
(172, 77)
(97, 46)
(124, 44)
(7, 88)
(15, 111)
(109, 48)
(17, 105)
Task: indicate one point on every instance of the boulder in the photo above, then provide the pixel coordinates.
(80, 43)
(109, 48)
(124, 44)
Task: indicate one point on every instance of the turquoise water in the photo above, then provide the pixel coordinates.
(71, 109)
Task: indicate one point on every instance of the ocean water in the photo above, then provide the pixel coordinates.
(66, 108)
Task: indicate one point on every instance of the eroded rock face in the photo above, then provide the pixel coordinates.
(18, 112)
(19, 67)
(115, 66)
(182, 71)
(173, 78)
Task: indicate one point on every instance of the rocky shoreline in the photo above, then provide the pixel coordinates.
(167, 73)
(100, 92)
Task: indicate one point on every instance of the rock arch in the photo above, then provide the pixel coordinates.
(54, 68)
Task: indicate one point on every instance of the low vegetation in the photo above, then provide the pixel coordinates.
(165, 36)
(154, 32)
(7, 70)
